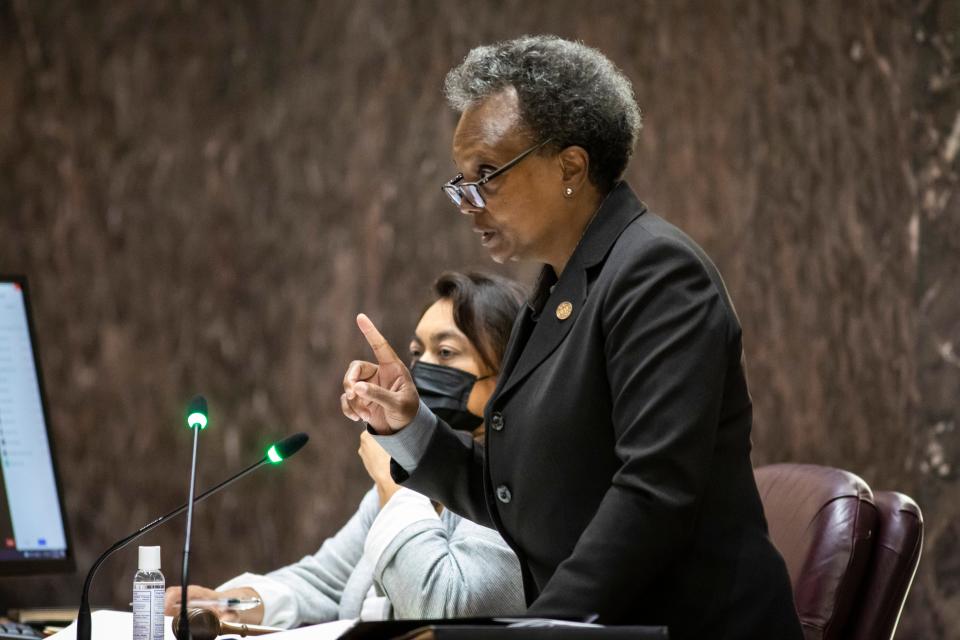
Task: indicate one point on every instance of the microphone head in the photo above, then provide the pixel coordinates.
(197, 413)
(282, 450)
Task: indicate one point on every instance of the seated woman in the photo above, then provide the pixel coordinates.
(400, 555)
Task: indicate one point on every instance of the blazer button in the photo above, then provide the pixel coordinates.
(496, 421)
(503, 494)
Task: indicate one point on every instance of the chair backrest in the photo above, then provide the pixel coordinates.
(896, 554)
(823, 521)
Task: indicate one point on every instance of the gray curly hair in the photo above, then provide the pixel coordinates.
(568, 92)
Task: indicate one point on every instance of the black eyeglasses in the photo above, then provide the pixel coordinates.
(457, 190)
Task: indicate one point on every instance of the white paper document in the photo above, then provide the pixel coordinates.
(325, 631)
(111, 625)
(118, 625)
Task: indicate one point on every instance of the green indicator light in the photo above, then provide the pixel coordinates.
(273, 456)
(197, 419)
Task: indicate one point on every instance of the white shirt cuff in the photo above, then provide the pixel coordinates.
(375, 607)
(403, 509)
(279, 602)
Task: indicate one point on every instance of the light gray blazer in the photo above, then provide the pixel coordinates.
(403, 561)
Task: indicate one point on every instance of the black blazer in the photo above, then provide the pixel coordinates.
(617, 454)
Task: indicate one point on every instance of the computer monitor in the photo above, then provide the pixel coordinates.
(33, 525)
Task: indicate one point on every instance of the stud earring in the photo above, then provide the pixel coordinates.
(568, 192)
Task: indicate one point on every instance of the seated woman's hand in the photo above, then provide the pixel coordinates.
(377, 463)
(171, 602)
(383, 393)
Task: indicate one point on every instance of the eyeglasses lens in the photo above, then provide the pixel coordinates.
(472, 192)
(453, 192)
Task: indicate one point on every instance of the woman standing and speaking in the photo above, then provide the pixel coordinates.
(616, 461)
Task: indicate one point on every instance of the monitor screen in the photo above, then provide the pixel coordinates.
(33, 529)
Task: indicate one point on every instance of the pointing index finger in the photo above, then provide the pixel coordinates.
(381, 348)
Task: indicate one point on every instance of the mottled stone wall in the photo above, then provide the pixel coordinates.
(203, 195)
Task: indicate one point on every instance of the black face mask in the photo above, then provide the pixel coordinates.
(445, 391)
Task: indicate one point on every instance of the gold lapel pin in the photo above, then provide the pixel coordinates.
(564, 309)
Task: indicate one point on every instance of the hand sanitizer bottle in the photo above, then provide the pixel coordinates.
(148, 590)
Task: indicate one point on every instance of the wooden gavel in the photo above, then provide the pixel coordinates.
(206, 625)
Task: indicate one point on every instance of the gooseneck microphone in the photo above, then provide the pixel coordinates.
(197, 421)
(277, 453)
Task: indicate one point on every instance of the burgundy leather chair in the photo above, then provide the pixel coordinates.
(896, 554)
(823, 521)
(851, 554)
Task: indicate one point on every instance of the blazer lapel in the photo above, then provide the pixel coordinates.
(518, 338)
(549, 330)
(533, 340)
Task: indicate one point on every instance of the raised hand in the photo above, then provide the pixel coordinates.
(381, 393)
